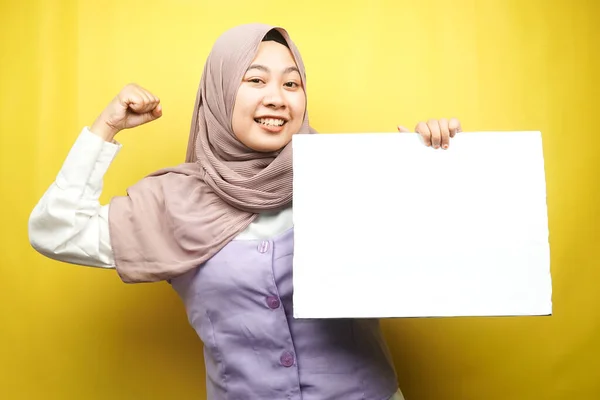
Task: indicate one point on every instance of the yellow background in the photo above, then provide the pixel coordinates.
(69, 332)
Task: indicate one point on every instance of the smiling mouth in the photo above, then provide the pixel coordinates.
(272, 122)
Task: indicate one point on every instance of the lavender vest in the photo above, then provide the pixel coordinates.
(240, 304)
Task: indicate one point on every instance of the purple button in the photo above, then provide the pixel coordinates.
(287, 359)
(263, 247)
(273, 302)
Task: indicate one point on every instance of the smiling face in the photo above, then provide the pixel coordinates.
(270, 102)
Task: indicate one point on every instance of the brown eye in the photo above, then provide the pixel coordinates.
(291, 84)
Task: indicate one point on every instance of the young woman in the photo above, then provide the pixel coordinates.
(219, 227)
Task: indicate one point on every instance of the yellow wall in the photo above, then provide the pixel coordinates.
(69, 332)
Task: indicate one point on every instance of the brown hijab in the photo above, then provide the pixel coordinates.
(177, 218)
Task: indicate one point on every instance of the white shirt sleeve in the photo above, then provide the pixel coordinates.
(68, 223)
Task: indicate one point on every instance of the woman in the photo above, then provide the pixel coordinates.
(219, 227)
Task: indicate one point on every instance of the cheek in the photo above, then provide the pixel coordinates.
(243, 109)
(298, 105)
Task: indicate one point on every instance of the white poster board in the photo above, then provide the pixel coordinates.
(387, 227)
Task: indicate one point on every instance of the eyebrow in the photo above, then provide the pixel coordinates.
(267, 70)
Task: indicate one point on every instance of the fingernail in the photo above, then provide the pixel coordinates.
(445, 146)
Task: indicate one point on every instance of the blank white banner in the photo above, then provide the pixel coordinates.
(387, 227)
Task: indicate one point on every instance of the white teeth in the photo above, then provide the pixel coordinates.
(271, 121)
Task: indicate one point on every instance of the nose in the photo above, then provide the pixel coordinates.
(274, 98)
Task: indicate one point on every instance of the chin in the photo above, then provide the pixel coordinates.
(268, 145)
(265, 141)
